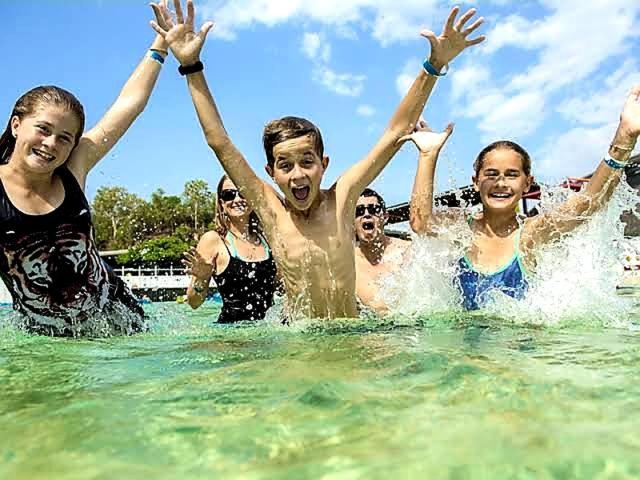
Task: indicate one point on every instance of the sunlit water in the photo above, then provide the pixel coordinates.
(452, 396)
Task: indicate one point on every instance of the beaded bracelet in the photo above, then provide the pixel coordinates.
(613, 163)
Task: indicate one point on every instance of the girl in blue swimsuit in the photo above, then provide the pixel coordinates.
(503, 246)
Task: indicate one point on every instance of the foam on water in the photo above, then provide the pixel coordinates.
(574, 282)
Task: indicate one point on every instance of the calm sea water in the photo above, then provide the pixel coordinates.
(460, 398)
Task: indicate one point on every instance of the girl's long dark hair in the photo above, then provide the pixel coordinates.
(222, 222)
(27, 105)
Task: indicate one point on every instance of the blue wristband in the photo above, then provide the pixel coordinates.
(613, 163)
(156, 56)
(431, 70)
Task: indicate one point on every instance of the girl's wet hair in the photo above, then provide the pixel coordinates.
(28, 103)
(222, 222)
(506, 145)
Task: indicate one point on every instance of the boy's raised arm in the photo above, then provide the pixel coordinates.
(575, 211)
(444, 48)
(186, 46)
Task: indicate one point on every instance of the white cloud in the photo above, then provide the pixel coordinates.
(386, 21)
(366, 110)
(573, 153)
(405, 78)
(468, 78)
(562, 54)
(315, 47)
(595, 107)
(573, 40)
(595, 114)
(346, 84)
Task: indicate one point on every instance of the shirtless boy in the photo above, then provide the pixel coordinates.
(310, 230)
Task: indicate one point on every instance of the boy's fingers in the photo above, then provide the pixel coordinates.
(191, 13)
(204, 31)
(463, 19)
(158, 29)
(452, 17)
(475, 41)
(473, 26)
(178, 8)
(429, 35)
(159, 17)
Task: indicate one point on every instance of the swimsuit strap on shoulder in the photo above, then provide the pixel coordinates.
(264, 243)
(232, 244)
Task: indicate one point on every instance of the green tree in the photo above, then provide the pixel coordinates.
(161, 251)
(198, 201)
(113, 211)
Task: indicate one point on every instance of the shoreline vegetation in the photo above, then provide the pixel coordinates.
(156, 232)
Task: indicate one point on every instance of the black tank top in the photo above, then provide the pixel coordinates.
(246, 288)
(51, 266)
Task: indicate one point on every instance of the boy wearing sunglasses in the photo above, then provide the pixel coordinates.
(377, 254)
(310, 230)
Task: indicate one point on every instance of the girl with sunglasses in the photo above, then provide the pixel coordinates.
(238, 259)
(503, 247)
(48, 256)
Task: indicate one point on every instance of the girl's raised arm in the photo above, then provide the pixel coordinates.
(550, 226)
(133, 98)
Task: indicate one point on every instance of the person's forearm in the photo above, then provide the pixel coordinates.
(136, 91)
(421, 207)
(208, 114)
(412, 105)
(605, 179)
(197, 292)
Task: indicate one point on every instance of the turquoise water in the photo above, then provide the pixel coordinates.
(453, 397)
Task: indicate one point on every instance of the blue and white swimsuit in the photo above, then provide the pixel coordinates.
(476, 287)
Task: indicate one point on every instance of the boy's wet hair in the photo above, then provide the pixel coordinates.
(506, 145)
(286, 128)
(369, 192)
(27, 104)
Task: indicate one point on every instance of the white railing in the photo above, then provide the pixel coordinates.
(154, 278)
(155, 271)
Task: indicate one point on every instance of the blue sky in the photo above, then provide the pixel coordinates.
(552, 75)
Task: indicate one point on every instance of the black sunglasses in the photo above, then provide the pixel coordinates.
(374, 209)
(229, 194)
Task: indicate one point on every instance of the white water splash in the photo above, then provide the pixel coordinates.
(574, 282)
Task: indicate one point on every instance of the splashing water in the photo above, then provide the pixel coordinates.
(574, 282)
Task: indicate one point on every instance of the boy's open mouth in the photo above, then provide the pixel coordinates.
(301, 193)
(368, 225)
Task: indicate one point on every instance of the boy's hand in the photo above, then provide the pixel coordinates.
(179, 33)
(197, 266)
(630, 116)
(426, 139)
(453, 38)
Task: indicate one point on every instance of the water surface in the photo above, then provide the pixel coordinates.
(457, 397)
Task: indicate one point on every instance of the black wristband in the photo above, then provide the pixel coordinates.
(193, 68)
